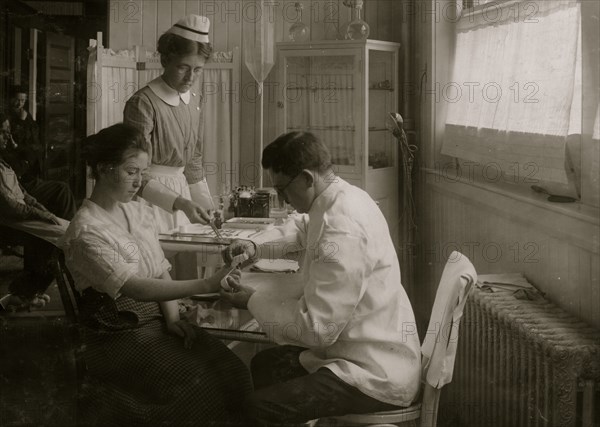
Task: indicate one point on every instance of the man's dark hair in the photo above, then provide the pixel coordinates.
(3, 116)
(15, 89)
(294, 151)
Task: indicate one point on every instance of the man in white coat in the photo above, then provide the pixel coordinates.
(348, 341)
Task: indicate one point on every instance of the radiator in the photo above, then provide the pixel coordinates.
(525, 362)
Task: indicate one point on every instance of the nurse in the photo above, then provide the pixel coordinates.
(168, 112)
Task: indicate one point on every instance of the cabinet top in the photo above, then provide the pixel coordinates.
(370, 43)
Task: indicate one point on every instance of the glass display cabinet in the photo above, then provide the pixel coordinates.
(342, 91)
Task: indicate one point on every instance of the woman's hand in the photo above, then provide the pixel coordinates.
(232, 278)
(185, 330)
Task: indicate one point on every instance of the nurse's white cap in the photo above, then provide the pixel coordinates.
(192, 27)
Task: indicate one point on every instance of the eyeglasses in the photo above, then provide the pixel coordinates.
(281, 191)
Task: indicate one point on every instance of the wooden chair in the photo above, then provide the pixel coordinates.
(438, 350)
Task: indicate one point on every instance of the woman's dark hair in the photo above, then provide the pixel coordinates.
(171, 45)
(294, 151)
(108, 146)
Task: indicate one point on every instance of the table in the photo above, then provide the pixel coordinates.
(208, 250)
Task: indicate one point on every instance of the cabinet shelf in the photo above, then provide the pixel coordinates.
(343, 92)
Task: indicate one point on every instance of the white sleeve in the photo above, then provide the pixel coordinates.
(201, 194)
(159, 195)
(334, 285)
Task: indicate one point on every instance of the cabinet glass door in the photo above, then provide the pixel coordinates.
(381, 103)
(322, 95)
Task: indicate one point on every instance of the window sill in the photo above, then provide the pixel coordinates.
(573, 222)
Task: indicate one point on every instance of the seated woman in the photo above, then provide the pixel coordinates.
(21, 211)
(128, 304)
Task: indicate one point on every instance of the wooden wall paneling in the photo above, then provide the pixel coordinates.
(331, 19)
(386, 20)
(163, 19)
(567, 273)
(220, 25)
(149, 23)
(177, 10)
(317, 19)
(587, 302)
(192, 7)
(118, 33)
(210, 10)
(344, 18)
(133, 18)
(231, 13)
(573, 278)
(279, 10)
(593, 290)
(563, 292)
(398, 19)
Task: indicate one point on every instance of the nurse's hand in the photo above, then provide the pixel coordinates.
(194, 212)
(239, 296)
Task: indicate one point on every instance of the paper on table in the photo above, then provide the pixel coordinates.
(276, 265)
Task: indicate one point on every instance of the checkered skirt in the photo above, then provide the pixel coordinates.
(143, 376)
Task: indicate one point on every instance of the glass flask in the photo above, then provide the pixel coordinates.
(358, 29)
(299, 32)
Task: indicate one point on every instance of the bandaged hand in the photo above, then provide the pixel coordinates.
(240, 247)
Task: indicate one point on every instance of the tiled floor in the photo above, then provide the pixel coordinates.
(37, 373)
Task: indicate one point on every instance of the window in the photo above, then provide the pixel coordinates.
(515, 96)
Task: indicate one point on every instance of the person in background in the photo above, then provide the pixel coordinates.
(348, 340)
(168, 111)
(129, 309)
(21, 211)
(26, 156)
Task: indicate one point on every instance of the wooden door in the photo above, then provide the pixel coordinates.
(58, 115)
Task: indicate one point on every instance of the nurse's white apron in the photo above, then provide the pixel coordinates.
(173, 179)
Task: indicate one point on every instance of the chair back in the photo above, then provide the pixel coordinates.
(438, 351)
(66, 286)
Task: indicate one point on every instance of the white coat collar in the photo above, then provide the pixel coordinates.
(167, 93)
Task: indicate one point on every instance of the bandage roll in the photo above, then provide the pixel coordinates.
(237, 260)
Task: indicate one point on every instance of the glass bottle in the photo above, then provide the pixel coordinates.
(358, 29)
(299, 32)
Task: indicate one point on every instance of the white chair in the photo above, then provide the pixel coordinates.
(438, 350)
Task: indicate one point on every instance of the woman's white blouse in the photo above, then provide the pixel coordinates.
(103, 255)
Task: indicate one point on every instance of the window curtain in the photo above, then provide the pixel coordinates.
(512, 99)
(217, 88)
